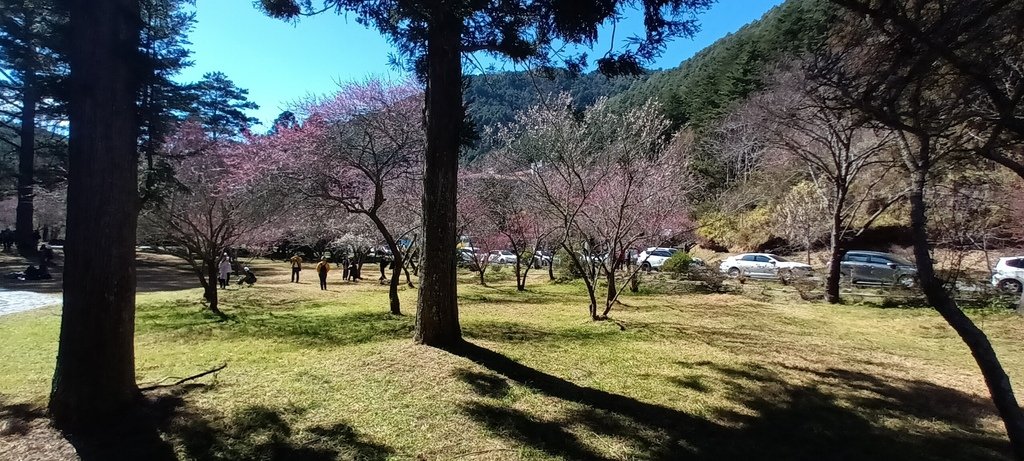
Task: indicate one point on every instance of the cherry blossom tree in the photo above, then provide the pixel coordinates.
(845, 156)
(609, 179)
(358, 151)
(210, 210)
(511, 218)
(482, 236)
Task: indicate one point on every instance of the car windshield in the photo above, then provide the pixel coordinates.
(779, 258)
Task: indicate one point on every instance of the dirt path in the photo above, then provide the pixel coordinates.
(153, 273)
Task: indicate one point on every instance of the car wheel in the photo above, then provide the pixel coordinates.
(1010, 286)
(646, 267)
(906, 281)
(785, 275)
(734, 272)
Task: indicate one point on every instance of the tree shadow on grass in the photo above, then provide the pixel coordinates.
(262, 433)
(517, 332)
(132, 434)
(165, 425)
(781, 420)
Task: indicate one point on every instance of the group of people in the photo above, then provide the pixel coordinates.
(40, 272)
(8, 238)
(350, 270)
(224, 268)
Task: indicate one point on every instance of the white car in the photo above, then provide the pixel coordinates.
(1009, 274)
(502, 257)
(654, 257)
(762, 265)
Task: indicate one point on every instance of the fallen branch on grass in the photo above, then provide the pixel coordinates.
(181, 381)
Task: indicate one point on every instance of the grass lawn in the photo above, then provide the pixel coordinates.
(317, 375)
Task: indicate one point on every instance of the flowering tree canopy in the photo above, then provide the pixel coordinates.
(359, 151)
(211, 209)
(609, 180)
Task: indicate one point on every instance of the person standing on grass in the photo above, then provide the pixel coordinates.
(322, 268)
(225, 271)
(296, 267)
(344, 267)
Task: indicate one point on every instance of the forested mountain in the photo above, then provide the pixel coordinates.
(700, 90)
(703, 88)
(494, 99)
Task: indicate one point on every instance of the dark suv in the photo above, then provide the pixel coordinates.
(878, 268)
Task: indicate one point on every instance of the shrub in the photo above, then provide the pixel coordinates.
(679, 263)
(565, 270)
(744, 230)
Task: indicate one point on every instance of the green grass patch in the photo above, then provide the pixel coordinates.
(332, 375)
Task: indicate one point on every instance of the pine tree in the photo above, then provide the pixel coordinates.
(432, 38)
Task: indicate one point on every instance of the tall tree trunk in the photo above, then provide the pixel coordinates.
(437, 313)
(998, 382)
(23, 226)
(551, 267)
(396, 264)
(482, 268)
(94, 379)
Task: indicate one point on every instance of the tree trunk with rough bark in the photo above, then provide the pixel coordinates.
(834, 265)
(996, 379)
(396, 264)
(437, 313)
(587, 281)
(520, 275)
(613, 291)
(94, 379)
(209, 283)
(835, 248)
(23, 225)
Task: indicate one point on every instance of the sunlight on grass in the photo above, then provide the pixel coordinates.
(332, 375)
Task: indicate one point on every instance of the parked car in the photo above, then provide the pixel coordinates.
(654, 257)
(502, 257)
(762, 265)
(877, 267)
(466, 258)
(1009, 274)
(541, 259)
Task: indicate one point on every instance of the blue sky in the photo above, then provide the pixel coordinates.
(280, 62)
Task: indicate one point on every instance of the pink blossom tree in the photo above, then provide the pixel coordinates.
(359, 151)
(479, 232)
(209, 211)
(609, 180)
(510, 216)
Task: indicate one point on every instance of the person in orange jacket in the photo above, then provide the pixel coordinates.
(296, 267)
(322, 268)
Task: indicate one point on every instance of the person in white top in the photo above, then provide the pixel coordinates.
(225, 271)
